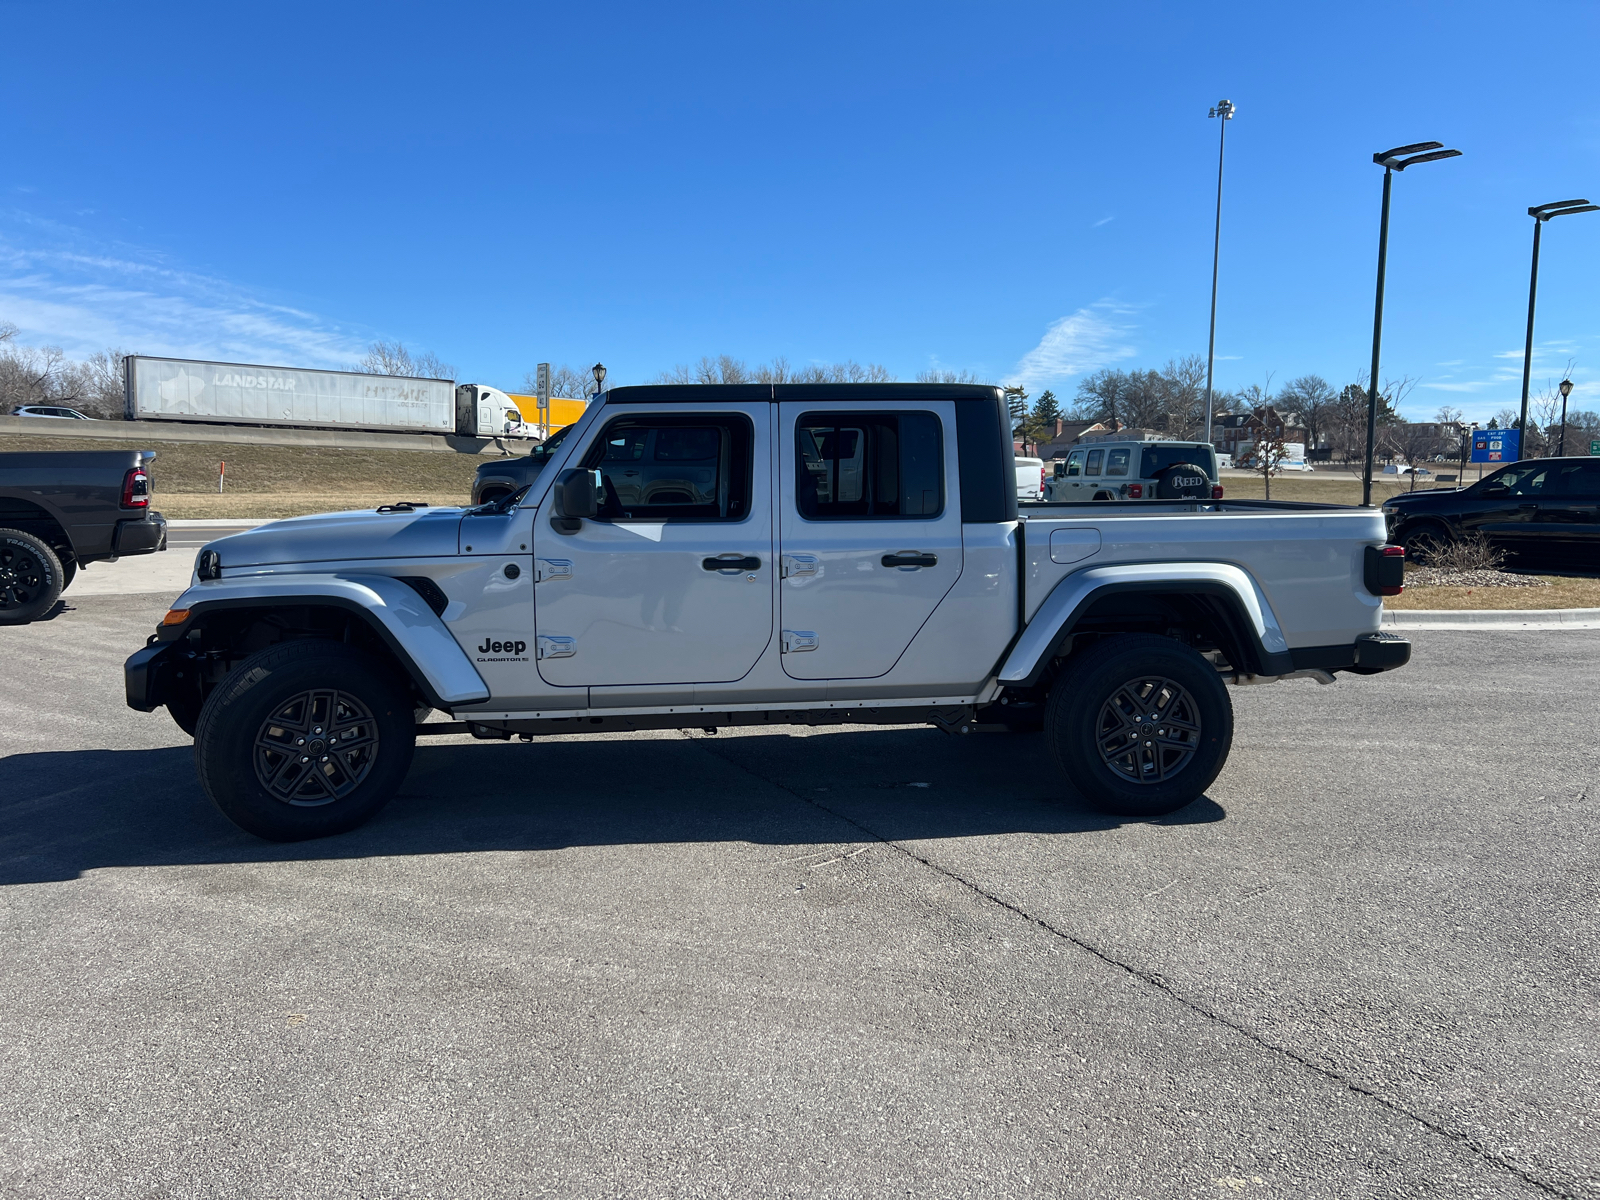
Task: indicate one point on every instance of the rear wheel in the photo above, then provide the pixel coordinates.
(1139, 724)
(1422, 538)
(304, 740)
(31, 577)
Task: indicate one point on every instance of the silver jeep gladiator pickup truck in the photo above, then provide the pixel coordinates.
(703, 556)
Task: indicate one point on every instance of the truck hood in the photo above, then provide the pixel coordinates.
(333, 537)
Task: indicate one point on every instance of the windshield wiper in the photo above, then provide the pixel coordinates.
(500, 505)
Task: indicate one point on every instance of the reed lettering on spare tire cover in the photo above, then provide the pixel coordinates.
(1183, 481)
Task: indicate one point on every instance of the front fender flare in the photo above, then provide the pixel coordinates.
(1043, 637)
(393, 610)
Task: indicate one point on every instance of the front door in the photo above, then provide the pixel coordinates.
(672, 581)
(869, 531)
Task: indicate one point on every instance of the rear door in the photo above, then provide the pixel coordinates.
(869, 531)
(1568, 516)
(672, 581)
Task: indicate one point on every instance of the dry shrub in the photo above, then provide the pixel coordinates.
(1470, 553)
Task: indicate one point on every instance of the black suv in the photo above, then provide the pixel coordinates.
(1542, 512)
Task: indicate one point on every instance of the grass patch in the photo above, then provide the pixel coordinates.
(1310, 488)
(273, 506)
(300, 472)
(1565, 591)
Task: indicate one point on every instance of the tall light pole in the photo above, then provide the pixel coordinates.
(1224, 109)
(1391, 161)
(1540, 214)
(1566, 390)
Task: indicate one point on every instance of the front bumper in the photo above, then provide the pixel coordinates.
(142, 535)
(147, 676)
(1369, 654)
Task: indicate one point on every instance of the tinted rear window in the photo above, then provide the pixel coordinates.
(1158, 458)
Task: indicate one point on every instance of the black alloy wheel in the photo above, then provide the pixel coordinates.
(316, 748)
(1139, 724)
(30, 577)
(305, 739)
(1148, 730)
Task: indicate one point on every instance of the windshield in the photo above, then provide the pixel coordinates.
(542, 452)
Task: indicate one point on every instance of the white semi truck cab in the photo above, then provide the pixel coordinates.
(721, 556)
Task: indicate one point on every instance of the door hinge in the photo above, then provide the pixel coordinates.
(556, 647)
(798, 564)
(551, 568)
(798, 641)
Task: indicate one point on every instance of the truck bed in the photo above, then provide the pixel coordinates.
(1306, 560)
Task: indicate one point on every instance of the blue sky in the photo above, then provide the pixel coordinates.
(1024, 191)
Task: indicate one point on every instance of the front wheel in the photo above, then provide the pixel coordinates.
(304, 740)
(1139, 724)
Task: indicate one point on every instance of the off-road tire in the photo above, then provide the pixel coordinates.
(69, 570)
(31, 577)
(244, 745)
(1421, 537)
(1081, 719)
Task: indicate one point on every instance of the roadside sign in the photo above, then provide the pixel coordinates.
(1497, 445)
(1594, 447)
(541, 392)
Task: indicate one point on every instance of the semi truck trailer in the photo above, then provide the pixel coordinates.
(176, 389)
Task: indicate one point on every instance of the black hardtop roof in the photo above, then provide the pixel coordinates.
(703, 393)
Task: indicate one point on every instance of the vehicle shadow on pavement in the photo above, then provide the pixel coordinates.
(74, 811)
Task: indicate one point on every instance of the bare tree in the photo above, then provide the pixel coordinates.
(724, 368)
(1267, 454)
(564, 382)
(937, 375)
(392, 358)
(1311, 398)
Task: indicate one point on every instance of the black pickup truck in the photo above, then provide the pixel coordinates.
(61, 510)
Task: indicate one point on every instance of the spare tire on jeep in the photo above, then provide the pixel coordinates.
(1183, 481)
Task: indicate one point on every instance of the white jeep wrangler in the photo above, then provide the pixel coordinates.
(702, 557)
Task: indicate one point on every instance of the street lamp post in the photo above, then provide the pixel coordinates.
(1540, 214)
(1566, 390)
(1391, 161)
(1224, 109)
(599, 373)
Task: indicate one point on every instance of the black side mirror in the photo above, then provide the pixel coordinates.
(576, 499)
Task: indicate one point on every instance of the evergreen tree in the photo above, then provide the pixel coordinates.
(1048, 410)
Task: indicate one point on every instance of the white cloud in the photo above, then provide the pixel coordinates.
(1102, 221)
(61, 287)
(1087, 340)
(1476, 385)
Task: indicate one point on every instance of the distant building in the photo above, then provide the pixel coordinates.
(1231, 430)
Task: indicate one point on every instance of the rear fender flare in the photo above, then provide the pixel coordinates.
(1043, 638)
(402, 620)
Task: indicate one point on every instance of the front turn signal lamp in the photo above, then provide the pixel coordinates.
(175, 616)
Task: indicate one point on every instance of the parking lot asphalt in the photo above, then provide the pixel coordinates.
(844, 962)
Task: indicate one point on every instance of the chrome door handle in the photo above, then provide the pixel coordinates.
(910, 558)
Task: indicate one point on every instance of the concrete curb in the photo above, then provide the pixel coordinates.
(1492, 618)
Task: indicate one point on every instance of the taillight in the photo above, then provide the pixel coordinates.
(1385, 570)
(1136, 491)
(136, 488)
(1216, 491)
